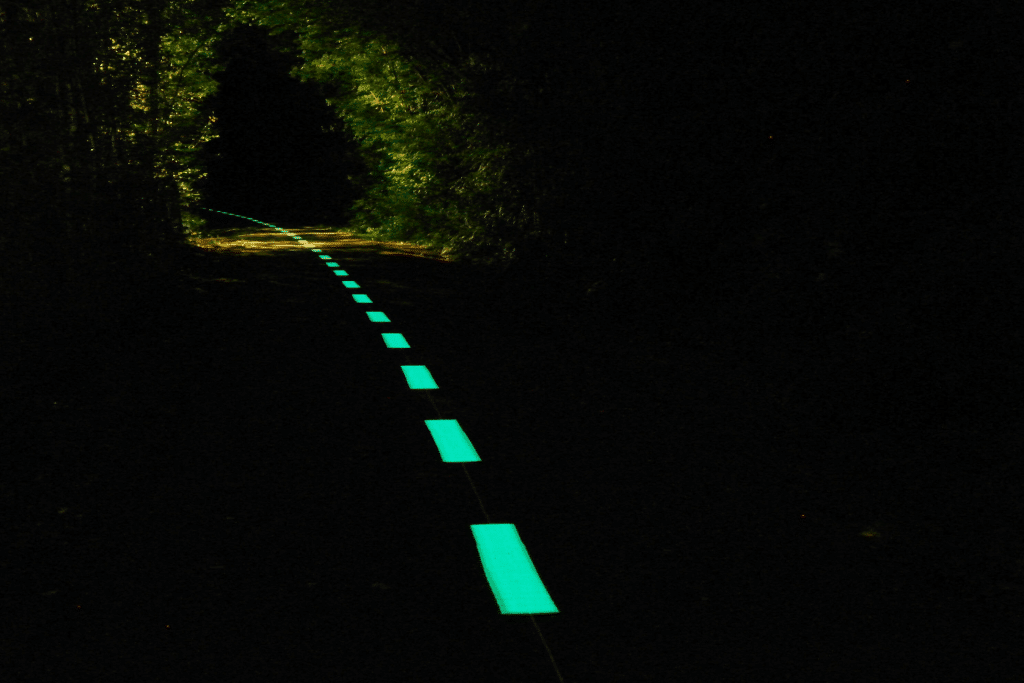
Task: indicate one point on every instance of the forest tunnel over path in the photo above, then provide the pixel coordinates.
(746, 375)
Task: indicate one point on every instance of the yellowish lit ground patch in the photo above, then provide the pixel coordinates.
(259, 240)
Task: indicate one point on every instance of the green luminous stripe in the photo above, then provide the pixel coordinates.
(509, 570)
(452, 443)
(394, 340)
(377, 317)
(361, 299)
(419, 377)
(349, 284)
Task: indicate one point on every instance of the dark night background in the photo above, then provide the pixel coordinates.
(761, 419)
(281, 150)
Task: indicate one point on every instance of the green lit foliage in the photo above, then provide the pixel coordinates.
(436, 171)
(165, 64)
(127, 83)
(186, 80)
(428, 170)
(102, 114)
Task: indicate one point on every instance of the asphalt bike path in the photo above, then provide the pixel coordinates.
(273, 506)
(239, 485)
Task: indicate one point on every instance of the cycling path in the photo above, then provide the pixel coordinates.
(242, 487)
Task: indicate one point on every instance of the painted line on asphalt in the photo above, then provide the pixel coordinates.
(511, 574)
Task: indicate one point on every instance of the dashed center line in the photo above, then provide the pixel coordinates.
(513, 579)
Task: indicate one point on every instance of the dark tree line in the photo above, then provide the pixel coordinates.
(100, 127)
(833, 191)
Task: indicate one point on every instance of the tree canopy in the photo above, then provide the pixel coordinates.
(797, 159)
(103, 119)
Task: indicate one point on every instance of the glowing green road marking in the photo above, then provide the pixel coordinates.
(349, 284)
(296, 237)
(377, 317)
(419, 377)
(332, 264)
(317, 251)
(452, 443)
(361, 299)
(509, 570)
(324, 256)
(394, 340)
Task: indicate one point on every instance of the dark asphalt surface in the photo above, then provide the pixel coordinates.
(237, 485)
